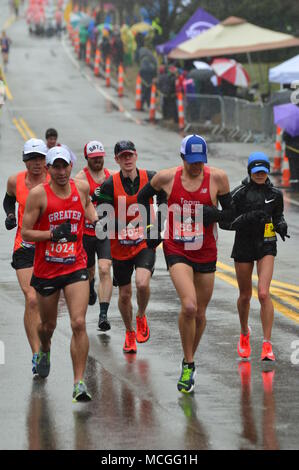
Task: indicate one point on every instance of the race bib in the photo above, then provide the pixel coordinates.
(63, 253)
(188, 232)
(269, 233)
(131, 236)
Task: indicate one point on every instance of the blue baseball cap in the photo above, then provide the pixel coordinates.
(258, 161)
(194, 149)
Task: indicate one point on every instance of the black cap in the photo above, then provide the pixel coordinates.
(124, 146)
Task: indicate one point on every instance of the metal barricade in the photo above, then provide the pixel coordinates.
(236, 118)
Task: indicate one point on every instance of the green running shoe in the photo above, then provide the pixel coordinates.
(43, 364)
(80, 392)
(186, 380)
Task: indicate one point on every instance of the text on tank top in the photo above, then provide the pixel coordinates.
(188, 237)
(54, 259)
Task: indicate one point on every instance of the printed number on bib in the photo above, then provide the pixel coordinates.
(64, 253)
(131, 235)
(269, 234)
(188, 231)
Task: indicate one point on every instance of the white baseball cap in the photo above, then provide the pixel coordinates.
(33, 146)
(93, 149)
(56, 153)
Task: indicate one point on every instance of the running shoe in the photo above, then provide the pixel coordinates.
(244, 349)
(34, 362)
(130, 343)
(267, 353)
(104, 324)
(80, 392)
(92, 297)
(43, 364)
(142, 331)
(186, 380)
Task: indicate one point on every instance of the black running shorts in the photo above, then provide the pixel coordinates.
(197, 267)
(46, 287)
(93, 246)
(268, 249)
(123, 269)
(23, 258)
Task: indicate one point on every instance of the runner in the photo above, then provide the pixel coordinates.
(54, 219)
(18, 187)
(51, 137)
(5, 45)
(259, 211)
(95, 174)
(190, 250)
(129, 250)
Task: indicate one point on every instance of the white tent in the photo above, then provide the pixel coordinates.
(287, 72)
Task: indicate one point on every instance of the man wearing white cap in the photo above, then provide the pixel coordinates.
(54, 219)
(18, 187)
(190, 249)
(95, 174)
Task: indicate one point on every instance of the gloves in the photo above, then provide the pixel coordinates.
(62, 233)
(282, 229)
(10, 222)
(96, 195)
(210, 215)
(151, 232)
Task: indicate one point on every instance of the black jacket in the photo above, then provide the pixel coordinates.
(255, 206)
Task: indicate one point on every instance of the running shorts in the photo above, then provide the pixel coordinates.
(46, 287)
(23, 258)
(268, 249)
(197, 267)
(123, 269)
(93, 246)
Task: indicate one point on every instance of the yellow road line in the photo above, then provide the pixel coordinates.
(277, 305)
(7, 90)
(20, 129)
(27, 128)
(286, 285)
(9, 22)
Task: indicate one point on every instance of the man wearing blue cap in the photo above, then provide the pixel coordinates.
(259, 216)
(193, 191)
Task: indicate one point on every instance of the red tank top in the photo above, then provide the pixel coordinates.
(206, 238)
(129, 241)
(21, 196)
(93, 185)
(57, 259)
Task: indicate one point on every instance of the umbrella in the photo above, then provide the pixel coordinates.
(232, 71)
(200, 65)
(286, 116)
(201, 74)
(142, 27)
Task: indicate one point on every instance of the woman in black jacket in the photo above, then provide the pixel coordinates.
(259, 216)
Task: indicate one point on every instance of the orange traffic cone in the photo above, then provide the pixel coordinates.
(181, 113)
(77, 44)
(278, 153)
(88, 52)
(97, 62)
(120, 81)
(285, 171)
(108, 72)
(152, 113)
(138, 93)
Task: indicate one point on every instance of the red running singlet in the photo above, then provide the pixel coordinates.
(180, 196)
(93, 185)
(58, 259)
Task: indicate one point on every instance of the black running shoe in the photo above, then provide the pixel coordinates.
(104, 324)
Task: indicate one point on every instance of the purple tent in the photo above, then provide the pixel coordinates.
(197, 24)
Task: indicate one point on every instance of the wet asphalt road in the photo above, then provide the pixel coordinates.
(135, 402)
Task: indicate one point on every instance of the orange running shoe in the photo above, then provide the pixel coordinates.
(267, 353)
(143, 332)
(244, 349)
(130, 343)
